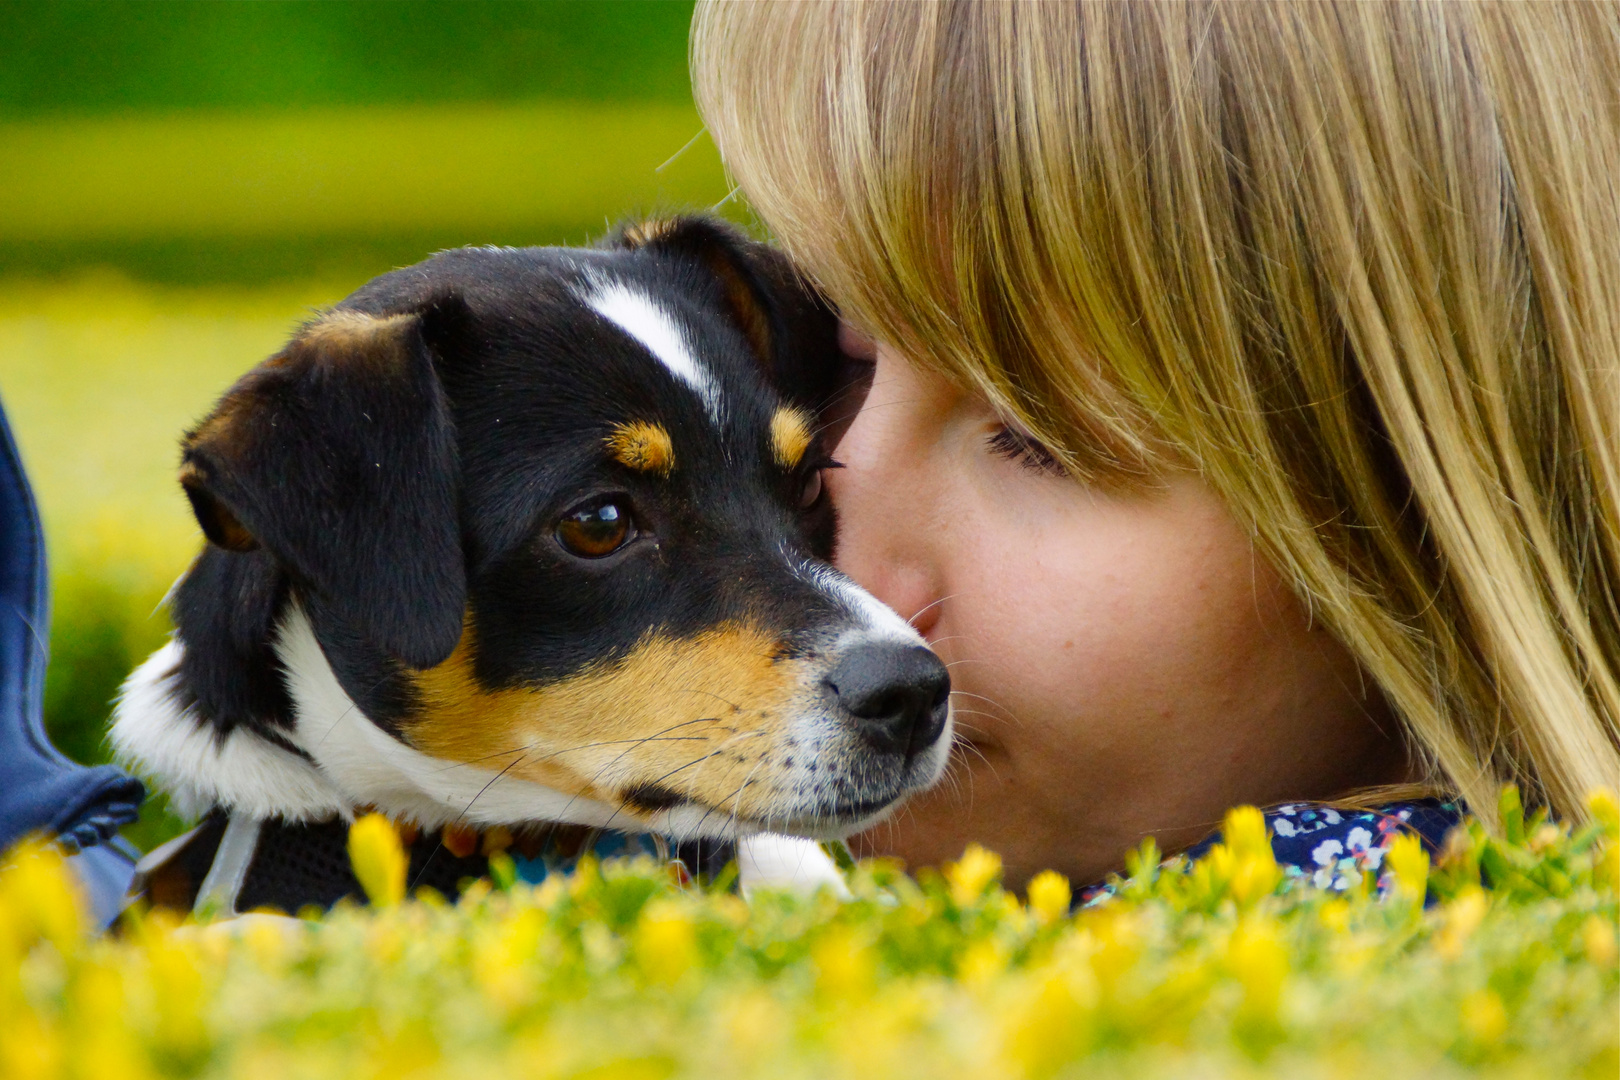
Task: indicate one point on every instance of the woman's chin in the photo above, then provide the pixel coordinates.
(977, 802)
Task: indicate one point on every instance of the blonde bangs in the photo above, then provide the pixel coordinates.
(915, 219)
(1354, 263)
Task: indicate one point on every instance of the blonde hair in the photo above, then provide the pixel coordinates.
(1357, 264)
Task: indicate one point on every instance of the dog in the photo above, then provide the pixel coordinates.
(526, 547)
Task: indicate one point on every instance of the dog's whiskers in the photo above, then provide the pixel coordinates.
(458, 820)
(658, 736)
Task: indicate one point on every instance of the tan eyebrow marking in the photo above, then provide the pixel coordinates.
(642, 446)
(790, 435)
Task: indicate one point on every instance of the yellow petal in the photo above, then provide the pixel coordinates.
(378, 858)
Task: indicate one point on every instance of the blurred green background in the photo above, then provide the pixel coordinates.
(181, 183)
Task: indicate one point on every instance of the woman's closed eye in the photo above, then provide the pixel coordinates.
(1016, 446)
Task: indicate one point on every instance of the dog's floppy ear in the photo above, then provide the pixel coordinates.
(338, 456)
(791, 328)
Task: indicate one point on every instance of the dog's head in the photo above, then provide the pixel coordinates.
(555, 514)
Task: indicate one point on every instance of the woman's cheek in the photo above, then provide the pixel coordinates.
(1119, 613)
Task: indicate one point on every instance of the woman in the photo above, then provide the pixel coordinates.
(1243, 412)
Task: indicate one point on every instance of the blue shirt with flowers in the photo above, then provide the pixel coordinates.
(1332, 848)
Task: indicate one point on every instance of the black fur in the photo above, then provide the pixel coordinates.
(339, 457)
(394, 482)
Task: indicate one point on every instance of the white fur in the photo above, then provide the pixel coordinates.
(640, 316)
(882, 623)
(356, 762)
(199, 769)
(881, 620)
(773, 861)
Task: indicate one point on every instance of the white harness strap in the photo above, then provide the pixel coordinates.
(230, 867)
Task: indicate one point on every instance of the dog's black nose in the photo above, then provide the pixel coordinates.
(898, 694)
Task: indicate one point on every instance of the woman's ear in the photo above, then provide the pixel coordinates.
(338, 457)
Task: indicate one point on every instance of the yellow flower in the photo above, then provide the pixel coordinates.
(1606, 812)
(43, 899)
(1117, 937)
(972, 874)
(1049, 896)
(30, 1048)
(1463, 916)
(1244, 832)
(844, 967)
(1260, 963)
(666, 942)
(379, 859)
(1597, 937)
(500, 958)
(1253, 870)
(1335, 915)
(104, 1045)
(981, 962)
(1049, 1029)
(1484, 1017)
(753, 1024)
(1605, 807)
(177, 991)
(1410, 862)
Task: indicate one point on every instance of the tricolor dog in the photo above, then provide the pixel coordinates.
(518, 541)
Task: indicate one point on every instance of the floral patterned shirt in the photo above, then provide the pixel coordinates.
(1330, 848)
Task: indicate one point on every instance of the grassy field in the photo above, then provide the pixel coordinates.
(488, 173)
(1220, 970)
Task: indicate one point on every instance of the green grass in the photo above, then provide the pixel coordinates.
(60, 57)
(1223, 970)
(481, 173)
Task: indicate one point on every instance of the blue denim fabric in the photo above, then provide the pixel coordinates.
(40, 789)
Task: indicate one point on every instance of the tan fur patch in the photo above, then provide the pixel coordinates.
(645, 232)
(790, 436)
(222, 526)
(352, 330)
(336, 338)
(744, 306)
(642, 446)
(704, 717)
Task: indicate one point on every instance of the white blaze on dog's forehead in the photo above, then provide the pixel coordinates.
(640, 316)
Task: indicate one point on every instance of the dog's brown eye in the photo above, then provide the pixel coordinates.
(811, 491)
(594, 531)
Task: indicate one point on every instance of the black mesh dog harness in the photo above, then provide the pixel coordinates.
(233, 864)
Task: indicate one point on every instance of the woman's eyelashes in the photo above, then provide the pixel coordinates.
(1018, 447)
(812, 490)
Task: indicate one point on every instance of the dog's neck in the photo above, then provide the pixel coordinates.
(333, 759)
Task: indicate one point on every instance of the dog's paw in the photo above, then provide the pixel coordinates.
(772, 861)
